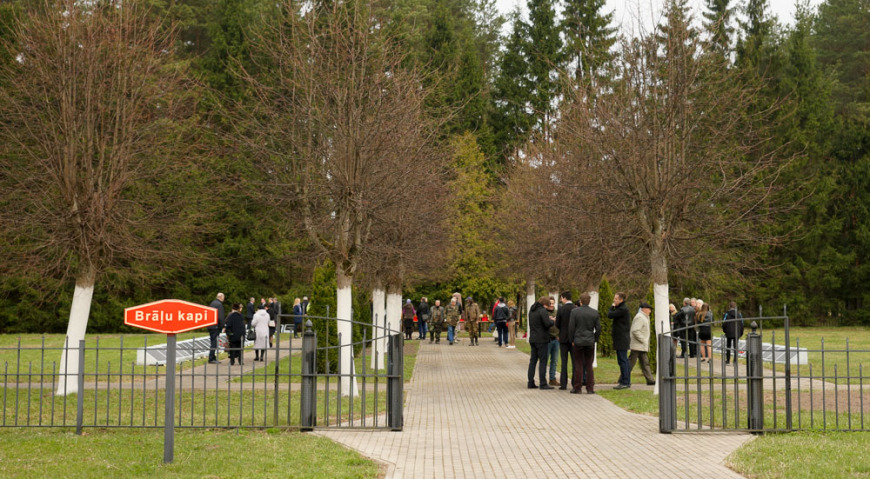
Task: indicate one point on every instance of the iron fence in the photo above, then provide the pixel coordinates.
(768, 387)
(121, 385)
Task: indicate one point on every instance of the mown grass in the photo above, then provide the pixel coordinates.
(835, 365)
(139, 454)
(35, 358)
(804, 455)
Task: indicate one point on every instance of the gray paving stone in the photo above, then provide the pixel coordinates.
(468, 414)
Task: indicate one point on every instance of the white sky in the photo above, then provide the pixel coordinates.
(627, 12)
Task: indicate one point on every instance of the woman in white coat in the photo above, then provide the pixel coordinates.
(260, 323)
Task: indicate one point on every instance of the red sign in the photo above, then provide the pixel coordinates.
(170, 316)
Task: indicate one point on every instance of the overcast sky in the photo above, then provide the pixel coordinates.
(626, 11)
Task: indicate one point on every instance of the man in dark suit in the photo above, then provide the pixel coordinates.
(621, 333)
(539, 338)
(584, 330)
(215, 331)
(249, 313)
(563, 315)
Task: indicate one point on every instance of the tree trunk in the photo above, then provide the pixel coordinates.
(344, 304)
(379, 332)
(394, 308)
(593, 303)
(659, 263)
(75, 332)
(530, 300)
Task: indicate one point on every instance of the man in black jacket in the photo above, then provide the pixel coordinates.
(539, 337)
(563, 315)
(215, 331)
(235, 330)
(584, 330)
(733, 329)
(621, 332)
(423, 318)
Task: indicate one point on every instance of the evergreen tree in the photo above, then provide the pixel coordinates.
(228, 46)
(512, 92)
(589, 38)
(543, 53)
(754, 48)
(605, 343)
(718, 18)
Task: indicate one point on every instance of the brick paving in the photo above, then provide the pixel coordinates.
(469, 414)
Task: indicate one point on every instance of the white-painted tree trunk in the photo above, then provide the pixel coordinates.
(593, 303)
(379, 313)
(662, 317)
(344, 311)
(78, 323)
(530, 300)
(394, 309)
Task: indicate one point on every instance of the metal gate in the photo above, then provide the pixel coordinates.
(122, 383)
(769, 386)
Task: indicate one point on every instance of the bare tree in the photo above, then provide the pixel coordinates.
(336, 115)
(88, 133)
(671, 156)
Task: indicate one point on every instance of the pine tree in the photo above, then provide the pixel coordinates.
(589, 38)
(719, 16)
(228, 46)
(543, 53)
(512, 92)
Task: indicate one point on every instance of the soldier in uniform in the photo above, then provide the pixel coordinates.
(436, 321)
(453, 314)
(472, 316)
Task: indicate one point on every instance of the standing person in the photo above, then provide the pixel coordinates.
(584, 330)
(261, 326)
(640, 342)
(437, 320)
(423, 317)
(512, 324)
(272, 308)
(539, 338)
(681, 323)
(215, 331)
(235, 331)
(705, 332)
(553, 345)
(500, 317)
(305, 304)
(563, 316)
(461, 309)
(620, 333)
(472, 316)
(408, 314)
(452, 315)
(732, 326)
(691, 332)
(297, 317)
(672, 311)
(249, 313)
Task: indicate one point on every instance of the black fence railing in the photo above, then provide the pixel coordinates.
(759, 385)
(122, 383)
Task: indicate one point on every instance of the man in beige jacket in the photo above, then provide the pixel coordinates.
(640, 342)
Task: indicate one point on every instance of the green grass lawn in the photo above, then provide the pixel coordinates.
(198, 454)
(804, 455)
(835, 361)
(23, 359)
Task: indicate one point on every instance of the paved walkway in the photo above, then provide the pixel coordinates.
(468, 414)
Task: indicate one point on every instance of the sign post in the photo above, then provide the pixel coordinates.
(170, 316)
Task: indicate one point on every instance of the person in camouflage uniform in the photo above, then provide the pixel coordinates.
(472, 316)
(436, 321)
(453, 315)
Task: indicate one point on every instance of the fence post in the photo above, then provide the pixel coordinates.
(308, 403)
(395, 382)
(754, 376)
(667, 384)
(80, 397)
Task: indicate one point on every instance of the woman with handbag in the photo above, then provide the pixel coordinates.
(260, 323)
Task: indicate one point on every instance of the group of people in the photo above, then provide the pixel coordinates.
(574, 330)
(432, 320)
(693, 327)
(260, 318)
